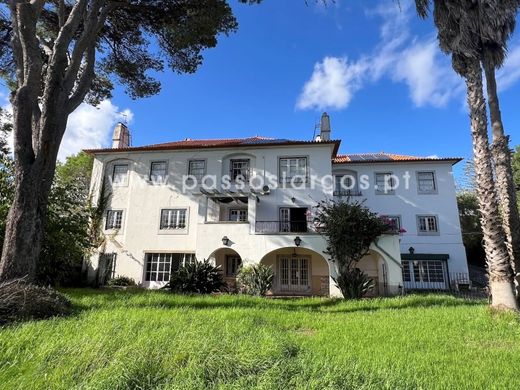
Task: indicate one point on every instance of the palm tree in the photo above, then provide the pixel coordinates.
(456, 23)
(497, 20)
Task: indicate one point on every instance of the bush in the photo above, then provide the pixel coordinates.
(21, 301)
(199, 277)
(121, 281)
(255, 279)
(354, 284)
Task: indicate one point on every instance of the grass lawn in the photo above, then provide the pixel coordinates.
(145, 340)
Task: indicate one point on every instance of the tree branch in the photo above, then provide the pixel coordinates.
(85, 80)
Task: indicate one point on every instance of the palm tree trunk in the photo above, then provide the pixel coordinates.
(497, 257)
(504, 174)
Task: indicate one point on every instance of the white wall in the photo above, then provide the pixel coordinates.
(408, 203)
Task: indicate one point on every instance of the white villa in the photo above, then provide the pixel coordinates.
(251, 200)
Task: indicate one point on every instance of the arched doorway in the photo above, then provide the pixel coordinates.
(298, 271)
(229, 262)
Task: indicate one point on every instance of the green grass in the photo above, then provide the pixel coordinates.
(145, 340)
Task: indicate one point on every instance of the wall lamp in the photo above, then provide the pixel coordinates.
(225, 241)
(297, 241)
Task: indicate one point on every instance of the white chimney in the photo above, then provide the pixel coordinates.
(121, 137)
(325, 127)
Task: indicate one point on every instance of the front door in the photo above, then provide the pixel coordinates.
(425, 274)
(294, 273)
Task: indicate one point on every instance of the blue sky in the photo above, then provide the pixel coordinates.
(373, 66)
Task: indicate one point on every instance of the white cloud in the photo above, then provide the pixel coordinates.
(332, 84)
(399, 56)
(91, 127)
(509, 74)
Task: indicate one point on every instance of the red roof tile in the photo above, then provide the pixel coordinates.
(383, 157)
(216, 143)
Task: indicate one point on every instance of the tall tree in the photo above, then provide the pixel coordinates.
(455, 21)
(56, 54)
(497, 20)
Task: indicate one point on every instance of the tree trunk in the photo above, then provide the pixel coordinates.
(497, 256)
(504, 175)
(34, 174)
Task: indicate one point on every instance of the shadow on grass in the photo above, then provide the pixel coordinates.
(141, 299)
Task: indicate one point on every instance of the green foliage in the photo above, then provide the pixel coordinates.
(353, 283)
(121, 281)
(136, 339)
(472, 236)
(255, 279)
(198, 277)
(66, 238)
(349, 228)
(138, 40)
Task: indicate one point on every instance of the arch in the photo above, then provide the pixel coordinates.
(298, 271)
(229, 261)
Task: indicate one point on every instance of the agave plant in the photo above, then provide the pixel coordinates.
(255, 279)
(199, 277)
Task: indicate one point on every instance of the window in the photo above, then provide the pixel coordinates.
(385, 183)
(394, 221)
(173, 219)
(120, 174)
(293, 168)
(160, 265)
(345, 185)
(239, 169)
(158, 172)
(426, 182)
(238, 215)
(114, 219)
(233, 264)
(197, 168)
(427, 224)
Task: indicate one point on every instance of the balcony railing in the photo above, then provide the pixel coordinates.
(266, 227)
(347, 193)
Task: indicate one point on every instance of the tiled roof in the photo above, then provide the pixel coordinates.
(383, 157)
(216, 143)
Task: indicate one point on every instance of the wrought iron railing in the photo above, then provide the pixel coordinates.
(282, 227)
(347, 193)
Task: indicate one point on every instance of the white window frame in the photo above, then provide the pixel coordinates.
(113, 219)
(174, 219)
(434, 179)
(427, 231)
(286, 161)
(166, 259)
(164, 177)
(123, 182)
(384, 191)
(242, 215)
(199, 177)
(245, 177)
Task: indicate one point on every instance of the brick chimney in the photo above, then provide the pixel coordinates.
(121, 137)
(325, 127)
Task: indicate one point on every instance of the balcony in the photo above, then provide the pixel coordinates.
(281, 227)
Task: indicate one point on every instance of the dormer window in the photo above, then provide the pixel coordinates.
(239, 169)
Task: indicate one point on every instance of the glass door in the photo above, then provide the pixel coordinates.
(294, 273)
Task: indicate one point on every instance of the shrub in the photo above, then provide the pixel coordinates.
(255, 279)
(121, 281)
(21, 301)
(199, 277)
(353, 283)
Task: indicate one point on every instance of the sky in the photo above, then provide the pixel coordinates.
(372, 65)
